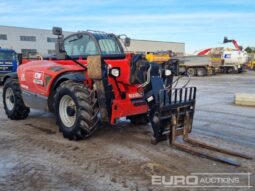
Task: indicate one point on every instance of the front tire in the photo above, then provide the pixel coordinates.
(76, 110)
(14, 106)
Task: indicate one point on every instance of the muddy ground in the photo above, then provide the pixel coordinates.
(35, 156)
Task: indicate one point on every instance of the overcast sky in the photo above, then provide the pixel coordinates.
(198, 23)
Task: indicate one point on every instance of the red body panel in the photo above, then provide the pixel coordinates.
(236, 45)
(204, 52)
(38, 77)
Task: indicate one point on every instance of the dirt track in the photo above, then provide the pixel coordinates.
(35, 156)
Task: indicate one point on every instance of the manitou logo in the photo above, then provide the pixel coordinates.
(38, 78)
(38, 75)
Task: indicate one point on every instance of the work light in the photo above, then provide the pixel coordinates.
(115, 72)
(168, 72)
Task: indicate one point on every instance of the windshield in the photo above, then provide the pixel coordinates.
(109, 46)
(8, 56)
(80, 45)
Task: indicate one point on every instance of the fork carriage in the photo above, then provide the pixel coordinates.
(168, 103)
(171, 113)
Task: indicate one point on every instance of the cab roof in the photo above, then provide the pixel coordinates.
(6, 50)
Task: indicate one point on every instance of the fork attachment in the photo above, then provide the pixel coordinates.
(168, 103)
(171, 115)
(175, 132)
(171, 112)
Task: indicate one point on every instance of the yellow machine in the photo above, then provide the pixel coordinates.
(164, 59)
(159, 58)
(251, 65)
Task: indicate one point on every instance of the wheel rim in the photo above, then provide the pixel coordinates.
(67, 111)
(201, 72)
(191, 72)
(9, 99)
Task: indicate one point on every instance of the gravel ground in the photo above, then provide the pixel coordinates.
(35, 156)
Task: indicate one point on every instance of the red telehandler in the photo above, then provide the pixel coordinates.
(91, 81)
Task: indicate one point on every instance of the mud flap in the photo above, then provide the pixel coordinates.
(97, 71)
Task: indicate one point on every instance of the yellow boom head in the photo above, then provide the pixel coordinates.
(157, 57)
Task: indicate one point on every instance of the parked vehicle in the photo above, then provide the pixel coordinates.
(90, 76)
(232, 60)
(197, 65)
(91, 81)
(8, 62)
(251, 65)
(165, 60)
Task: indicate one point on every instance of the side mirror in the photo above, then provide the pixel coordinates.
(57, 31)
(19, 56)
(59, 46)
(127, 42)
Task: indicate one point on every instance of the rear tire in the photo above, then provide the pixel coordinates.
(201, 72)
(191, 72)
(76, 110)
(231, 70)
(14, 106)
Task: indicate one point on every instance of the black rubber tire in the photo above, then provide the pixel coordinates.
(223, 70)
(231, 70)
(214, 72)
(240, 70)
(85, 100)
(191, 71)
(19, 111)
(141, 119)
(201, 72)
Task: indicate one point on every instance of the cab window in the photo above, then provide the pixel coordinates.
(80, 45)
(7, 56)
(109, 46)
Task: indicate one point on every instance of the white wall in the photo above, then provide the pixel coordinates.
(153, 46)
(13, 39)
(42, 46)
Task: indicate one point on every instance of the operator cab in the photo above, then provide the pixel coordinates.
(89, 43)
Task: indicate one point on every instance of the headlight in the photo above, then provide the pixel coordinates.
(168, 72)
(115, 72)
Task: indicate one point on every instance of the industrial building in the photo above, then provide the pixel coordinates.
(154, 46)
(28, 40)
(42, 41)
